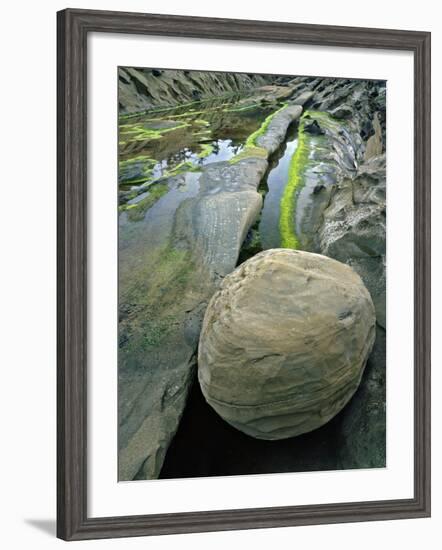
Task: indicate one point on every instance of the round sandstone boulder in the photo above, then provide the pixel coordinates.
(284, 343)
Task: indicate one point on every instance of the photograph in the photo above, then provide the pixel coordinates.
(251, 273)
(218, 294)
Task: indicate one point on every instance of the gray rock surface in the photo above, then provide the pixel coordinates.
(362, 442)
(284, 343)
(303, 98)
(354, 229)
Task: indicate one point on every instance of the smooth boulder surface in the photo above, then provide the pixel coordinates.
(284, 343)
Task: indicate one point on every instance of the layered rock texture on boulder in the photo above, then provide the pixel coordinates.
(284, 343)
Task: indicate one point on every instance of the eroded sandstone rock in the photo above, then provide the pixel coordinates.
(284, 343)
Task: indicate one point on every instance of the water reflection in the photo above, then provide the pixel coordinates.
(276, 181)
(161, 143)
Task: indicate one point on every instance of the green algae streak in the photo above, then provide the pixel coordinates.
(240, 109)
(297, 167)
(251, 149)
(138, 132)
(251, 140)
(250, 152)
(136, 211)
(206, 150)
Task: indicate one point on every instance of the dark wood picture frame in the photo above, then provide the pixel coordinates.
(73, 28)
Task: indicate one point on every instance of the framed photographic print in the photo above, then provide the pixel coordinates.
(243, 274)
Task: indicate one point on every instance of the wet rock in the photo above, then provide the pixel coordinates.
(366, 130)
(284, 343)
(216, 221)
(355, 101)
(318, 188)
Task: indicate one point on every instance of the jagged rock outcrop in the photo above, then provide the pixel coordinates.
(141, 89)
(354, 228)
(284, 343)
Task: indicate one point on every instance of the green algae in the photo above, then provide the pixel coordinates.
(127, 116)
(150, 301)
(201, 122)
(287, 205)
(240, 109)
(206, 150)
(202, 133)
(139, 132)
(181, 168)
(199, 102)
(251, 148)
(251, 140)
(143, 167)
(135, 185)
(150, 185)
(298, 165)
(137, 211)
(250, 152)
(139, 158)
